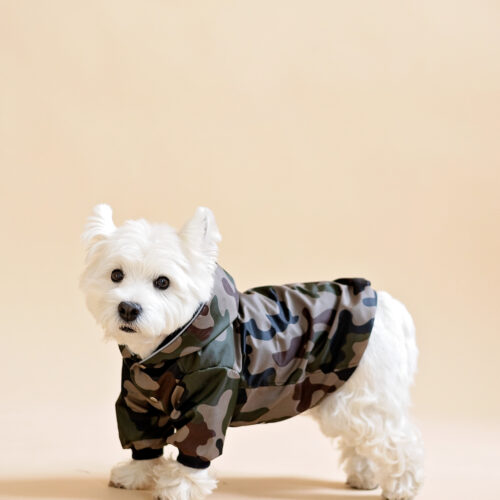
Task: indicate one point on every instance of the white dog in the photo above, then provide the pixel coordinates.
(199, 356)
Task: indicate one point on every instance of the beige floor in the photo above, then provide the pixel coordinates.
(290, 460)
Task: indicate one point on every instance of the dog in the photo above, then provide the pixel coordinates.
(199, 356)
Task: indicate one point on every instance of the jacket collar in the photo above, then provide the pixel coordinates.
(208, 322)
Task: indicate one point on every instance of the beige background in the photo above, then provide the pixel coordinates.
(329, 138)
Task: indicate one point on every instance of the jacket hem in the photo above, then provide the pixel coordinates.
(146, 453)
(194, 462)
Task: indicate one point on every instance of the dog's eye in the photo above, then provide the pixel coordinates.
(117, 275)
(162, 282)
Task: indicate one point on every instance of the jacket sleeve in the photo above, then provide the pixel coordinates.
(202, 415)
(141, 427)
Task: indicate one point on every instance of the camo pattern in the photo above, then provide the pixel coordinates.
(260, 356)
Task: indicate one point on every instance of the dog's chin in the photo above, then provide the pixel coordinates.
(137, 340)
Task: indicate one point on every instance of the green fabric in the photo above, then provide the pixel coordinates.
(260, 356)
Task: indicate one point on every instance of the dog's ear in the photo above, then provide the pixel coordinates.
(201, 232)
(99, 225)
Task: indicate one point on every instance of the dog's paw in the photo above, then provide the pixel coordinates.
(399, 494)
(403, 487)
(134, 474)
(359, 482)
(174, 481)
(360, 473)
(111, 484)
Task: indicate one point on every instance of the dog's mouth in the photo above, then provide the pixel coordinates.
(127, 329)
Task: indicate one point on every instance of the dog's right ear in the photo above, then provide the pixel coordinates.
(99, 225)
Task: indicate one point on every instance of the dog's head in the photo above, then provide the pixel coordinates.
(142, 281)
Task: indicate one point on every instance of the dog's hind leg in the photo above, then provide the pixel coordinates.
(361, 471)
(370, 411)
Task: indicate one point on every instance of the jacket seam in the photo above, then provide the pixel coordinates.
(221, 367)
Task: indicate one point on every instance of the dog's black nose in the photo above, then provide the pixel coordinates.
(129, 310)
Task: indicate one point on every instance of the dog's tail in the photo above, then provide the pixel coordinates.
(401, 325)
(410, 341)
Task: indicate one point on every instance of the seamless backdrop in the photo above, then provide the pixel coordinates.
(329, 138)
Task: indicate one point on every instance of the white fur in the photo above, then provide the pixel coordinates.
(169, 479)
(145, 251)
(369, 413)
(174, 481)
(134, 474)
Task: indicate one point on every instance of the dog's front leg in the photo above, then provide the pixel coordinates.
(174, 481)
(134, 474)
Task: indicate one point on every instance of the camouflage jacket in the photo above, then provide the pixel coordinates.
(263, 355)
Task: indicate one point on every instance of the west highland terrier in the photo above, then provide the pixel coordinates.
(199, 356)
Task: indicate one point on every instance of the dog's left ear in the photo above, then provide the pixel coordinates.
(201, 232)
